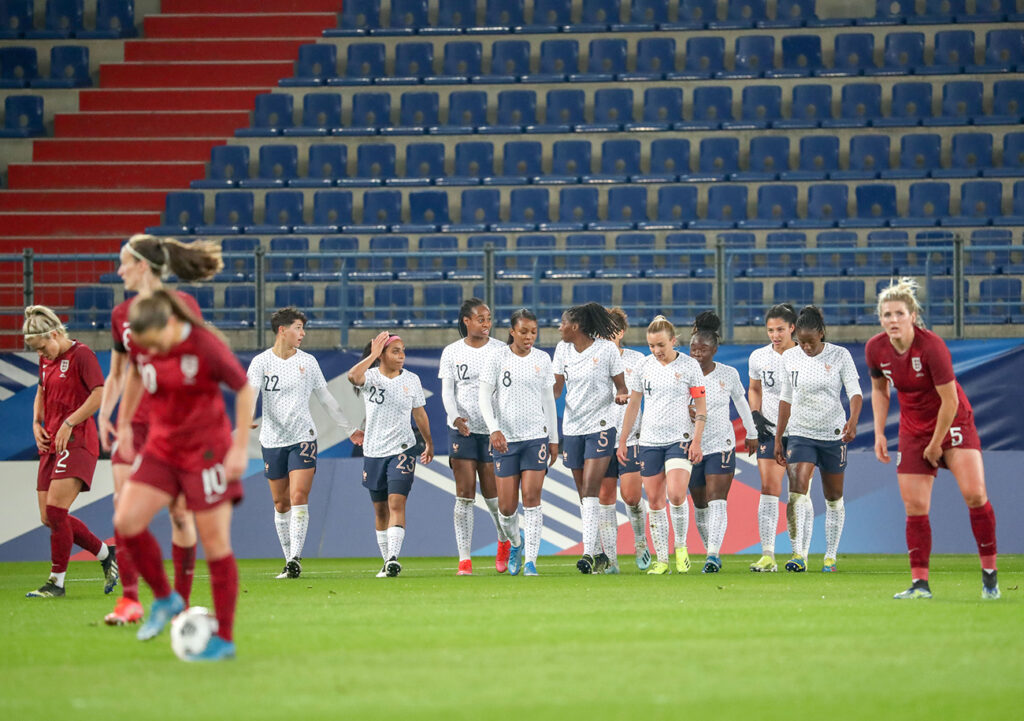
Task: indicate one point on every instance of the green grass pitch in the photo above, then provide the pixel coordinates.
(341, 644)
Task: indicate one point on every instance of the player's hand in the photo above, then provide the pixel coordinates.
(751, 444)
(235, 462)
(881, 449)
(378, 343)
(692, 410)
(126, 442)
(552, 454)
(622, 454)
(933, 453)
(462, 427)
(428, 453)
(849, 431)
(42, 437)
(780, 455)
(694, 452)
(498, 442)
(63, 435)
(357, 437)
(765, 428)
(622, 399)
(107, 433)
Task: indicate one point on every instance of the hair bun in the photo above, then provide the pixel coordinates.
(707, 320)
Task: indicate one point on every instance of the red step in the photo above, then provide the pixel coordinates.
(164, 99)
(102, 175)
(123, 150)
(184, 124)
(194, 75)
(76, 224)
(269, 25)
(199, 7)
(108, 243)
(79, 200)
(196, 50)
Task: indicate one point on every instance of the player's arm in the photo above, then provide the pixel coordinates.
(780, 430)
(254, 376)
(880, 412)
(451, 406)
(949, 404)
(700, 419)
(111, 393)
(559, 385)
(851, 383)
(236, 459)
(484, 395)
(621, 392)
(754, 395)
(330, 404)
(38, 416)
(739, 399)
(357, 373)
(423, 423)
(131, 396)
(628, 419)
(79, 415)
(551, 418)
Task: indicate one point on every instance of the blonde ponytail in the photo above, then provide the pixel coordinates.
(40, 321)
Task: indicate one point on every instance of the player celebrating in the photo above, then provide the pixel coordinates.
(68, 394)
(711, 478)
(584, 363)
(145, 262)
(189, 450)
(469, 450)
(518, 406)
(670, 442)
(628, 473)
(766, 371)
(811, 410)
(287, 377)
(936, 430)
(390, 393)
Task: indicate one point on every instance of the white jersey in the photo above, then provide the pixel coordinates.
(766, 366)
(389, 403)
(519, 388)
(463, 363)
(285, 385)
(589, 391)
(813, 385)
(720, 386)
(631, 360)
(667, 393)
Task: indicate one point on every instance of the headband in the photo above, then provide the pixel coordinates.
(391, 339)
(160, 270)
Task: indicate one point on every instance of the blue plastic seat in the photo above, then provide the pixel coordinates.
(18, 67)
(414, 60)
(504, 301)
(516, 110)
(599, 15)
(869, 156)
(920, 153)
(423, 163)
(801, 56)
(454, 16)
(940, 11)
(670, 160)
(69, 68)
(696, 14)
(332, 211)
(444, 255)
(1007, 104)
(954, 49)
(835, 263)
(769, 156)
(203, 295)
(92, 308)
(705, 56)
(776, 206)
(797, 292)
(474, 267)
(62, 19)
(407, 16)
(1012, 159)
(686, 258)
(382, 209)
(1004, 49)
(654, 58)
(638, 262)
(662, 108)
(854, 53)
(792, 13)
(285, 269)
(606, 59)
(283, 210)
(467, 110)
(358, 16)
(929, 201)
(677, 206)
(883, 262)
(479, 208)
(540, 259)
(761, 106)
(712, 106)
(510, 59)
(321, 113)
(239, 306)
(370, 112)
(316, 64)
(743, 14)
(755, 54)
(911, 104)
(278, 165)
(504, 14)
(442, 301)
(999, 301)
(961, 103)
(583, 293)
(876, 204)
(183, 211)
(719, 156)
(988, 11)
(812, 104)
(418, 111)
(727, 205)
(392, 305)
(232, 213)
(528, 209)
(860, 105)
(546, 303)
(890, 12)
(15, 18)
(374, 163)
(271, 114)
(363, 63)
(993, 258)
(627, 206)
(474, 161)
(620, 160)
(690, 297)
(826, 206)
(583, 265)
(23, 116)
(972, 153)
(242, 267)
(564, 110)
(980, 202)
(934, 254)
(558, 60)
(462, 59)
(819, 156)
(229, 164)
(844, 301)
(570, 160)
(329, 266)
(335, 312)
(114, 19)
(428, 212)
(647, 14)
(550, 16)
(577, 206)
(613, 108)
(747, 304)
(904, 52)
(642, 300)
(521, 162)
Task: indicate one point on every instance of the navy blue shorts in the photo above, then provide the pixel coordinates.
(385, 476)
(474, 447)
(279, 462)
(828, 456)
(714, 465)
(766, 449)
(652, 458)
(616, 469)
(576, 449)
(521, 456)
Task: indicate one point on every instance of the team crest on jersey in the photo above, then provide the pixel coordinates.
(595, 361)
(678, 376)
(915, 363)
(721, 385)
(66, 363)
(189, 368)
(302, 370)
(455, 447)
(828, 368)
(536, 369)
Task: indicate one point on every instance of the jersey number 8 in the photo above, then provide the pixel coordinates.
(506, 379)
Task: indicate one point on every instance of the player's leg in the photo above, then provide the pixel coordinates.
(532, 482)
(127, 609)
(916, 492)
(799, 474)
(593, 475)
(768, 512)
(379, 499)
(300, 483)
(214, 528)
(56, 501)
(631, 489)
(183, 547)
(677, 483)
(396, 530)
(609, 522)
(464, 470)
(832, 476)
(280, 492)
(508, 507)
(658, 518)
(489, 490)
(969, 470)
(718, 485)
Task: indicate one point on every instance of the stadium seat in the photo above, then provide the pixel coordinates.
(273, 112)
(558, 60)
(719, 157)
(358, 17)
(281, 266)
(479, 210)
(417, 113)
(239, 307)
(869, 156)
(23, 116)
(370, 112)
(510, 60)
(742, 14)
(755, 54)
(606, 59)
(331, 263)
(114, 19)
(972, 153)
(539, 260)
(382, 209)
(62, 19)
(705, 56)
(442, 301)
(776, 206)
(317, 63)
(392, 305)
(15, 18)
(911, 104)
(654, 58)
(928, 202)
(635, 264)
(454, 16)
(475, 259)
(980, 202)
(844, 301)
(613, 108)
(646, 15)
(954, 49)
(570, 160)
(904, 52)
(321, 113)
(564, 110)
(413, 61)
(940, 12)
(462, 59)
(662, 108)
(695, 15)
(961, 103)
(690, 297)
(982, 260)
(687, 258)
(627, 206)
(999, 299)
(875, 205)
(811, 105)
(819, 156)
(826, 206)
(769, 156)
(889, 12)
(919, 154)
(549, 16)
(406, 17)
(598, 15)
(528, 208)
(521, 163)
(747, 302)
(389, 255)
(620, 160)
(424, 162)
(203, 295)
(428, 212)
(18, 67)
(504, 14)
(467, 110)
(69, 68)
(239, 260)
(577, 206)
(474, 161)
(232, 213)
(992, 11)
(516, 110)
(183, 211)
(712, 107)
(592, 293)
(1016, 215)
(1013, 157)
(854, 54)
(374, 163)
(677, 206)
(801, 56)
(642, 300)
(444, 254)
(1004, 51)
(779, 264)
(335, 313)
(761, 107)
(727, 204)
(800, 293)
(1007, 104)
(363, 63)
(861, 104)
(576, 263)
(92, 308)
(832, 263)
(282, 212)
(546, 301)
(278, 165)
(879, 262)
(791, 13)
(670, 160)
(332, 211)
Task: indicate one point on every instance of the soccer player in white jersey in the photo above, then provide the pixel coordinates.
(765, 371)
(518, 406)
(811, 409)
(670, 441)
(469, 445)
(286, 377)
(390, 393)
(711, 479)
(588, 366)
(628, 473)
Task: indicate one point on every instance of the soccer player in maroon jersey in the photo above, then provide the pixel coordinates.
(189, 450)
(936, 431)
(70, 384)
(145, 262)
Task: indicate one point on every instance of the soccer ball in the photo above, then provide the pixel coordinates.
(191, 631)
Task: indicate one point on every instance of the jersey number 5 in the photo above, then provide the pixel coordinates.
(956, 436)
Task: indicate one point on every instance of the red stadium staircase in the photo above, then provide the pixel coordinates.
(150, 124)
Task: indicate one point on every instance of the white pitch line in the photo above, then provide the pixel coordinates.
(17, 374)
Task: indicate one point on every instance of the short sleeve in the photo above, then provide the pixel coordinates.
(615, 364)
(444, 368)
(255, 372)
(636, 378)
(418, 400)
(223, 364)
(89, 369)
(558, 363)
(939, 362)
(871, 358)
(547, 368)
(317, 380)
(753, 368)
(370, 375)
(786, 394)
(487, 375)
(117, 339)
(851, 378)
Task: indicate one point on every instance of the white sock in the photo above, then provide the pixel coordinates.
(802, 523)
(791, 520)
(492, 506)
(835, 517)
(464, 526)
(382, 544)
(808, 509)
(103, 552)
(610, 533)
(680, 522)
(396, 534)
(718, 517)
(701, 516)
(589, 512)
(282, 522)
(533, 519)
(299, 526)
(638, 520)
(659, 533)
(510, 524)
(57, 578)
(767, 522)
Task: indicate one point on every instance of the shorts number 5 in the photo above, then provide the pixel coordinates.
(956, 435)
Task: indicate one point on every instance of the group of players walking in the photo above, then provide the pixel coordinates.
(658, 423)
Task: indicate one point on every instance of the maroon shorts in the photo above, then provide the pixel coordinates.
(72, 463)
(910, 457)
(138, 441)
(202, 489)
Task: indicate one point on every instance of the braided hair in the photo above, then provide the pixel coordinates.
(706, 327)
(810, 318)
(593, 320)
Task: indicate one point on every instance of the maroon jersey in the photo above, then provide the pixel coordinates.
(188, 424)
(66, 382)
(122, 337)
(914, 374)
